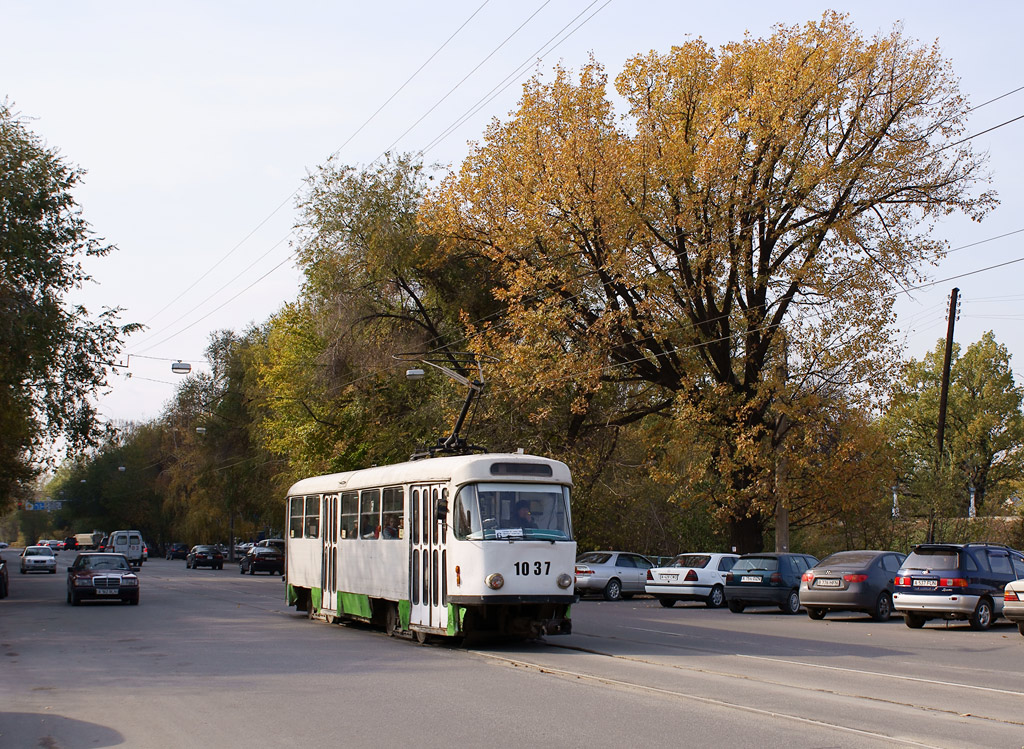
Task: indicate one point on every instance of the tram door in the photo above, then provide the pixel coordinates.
(428, 559)
(329, 569)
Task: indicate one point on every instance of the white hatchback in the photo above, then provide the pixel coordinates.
(1013, 603)
(691, 577)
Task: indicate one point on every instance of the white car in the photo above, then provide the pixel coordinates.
(691, 577)
(1013, 603)
(38, 559)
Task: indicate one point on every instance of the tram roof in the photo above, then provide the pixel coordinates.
(458, 468)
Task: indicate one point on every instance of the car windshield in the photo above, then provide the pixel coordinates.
(698, 561)
(593, 557)
(103, 563)
(769, 564)
(38, 551)
(927, 559)
(848, 559)
(500, 511)
(204, 548)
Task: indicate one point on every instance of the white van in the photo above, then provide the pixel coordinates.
(128, 543)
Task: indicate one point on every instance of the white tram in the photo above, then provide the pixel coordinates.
(445, 546)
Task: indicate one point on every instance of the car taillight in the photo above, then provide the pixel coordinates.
(649, 575)
(902, 581)
(807, 577)
(1009, 595)
(855, 578)
(776, 578)
(728, 577)
(584, 571)
(952, 582)
(691, 576)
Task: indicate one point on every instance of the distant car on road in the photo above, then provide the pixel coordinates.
(95, 576)
(4, 544)
(851, 581)
(38, 559)
(262, 559)
(767, 579)
(204, 555)
(177, 551)
(613, 574)
(691, 577)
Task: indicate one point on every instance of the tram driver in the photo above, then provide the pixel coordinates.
(523, 517)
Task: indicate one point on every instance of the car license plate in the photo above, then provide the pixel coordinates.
(827, 582)
(920, 583)
(671, 578)
(750, 579)
(106, 591)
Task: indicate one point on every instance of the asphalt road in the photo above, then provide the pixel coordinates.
(212, 658)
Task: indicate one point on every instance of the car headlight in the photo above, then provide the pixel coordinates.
(82, 582)
(129, 582)
(494, 580)
(564, 580)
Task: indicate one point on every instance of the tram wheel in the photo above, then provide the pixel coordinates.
(421, 637)
(392, 624)
(309, 608)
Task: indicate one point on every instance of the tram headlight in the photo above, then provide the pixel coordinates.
(494, 580)
(564, 580)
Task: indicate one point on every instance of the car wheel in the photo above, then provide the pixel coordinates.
(914, 621)
(613, 590)
(716, 598)
(53, 571)
(1020, 627)
(736, 606)
(220, 566)
(667, 602)
(982, 617)
(252, 570)
(134, 600)
(816, 614)
(69, 595)
(75, 601)
(792, 603)
(22, 570)
(279, 572)
(883, 608)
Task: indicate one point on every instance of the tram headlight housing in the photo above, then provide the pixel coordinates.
(494, 581)
(564, 580)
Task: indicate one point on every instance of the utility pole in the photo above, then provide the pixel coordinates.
(943, 396)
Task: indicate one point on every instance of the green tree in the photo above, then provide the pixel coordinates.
(53, 357)
(983, 445)
(756, 205)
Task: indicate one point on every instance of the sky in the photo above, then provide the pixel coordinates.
(197, 123)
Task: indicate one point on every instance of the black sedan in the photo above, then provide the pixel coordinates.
(177, 551)
(262, 559)
(204, 556)
(767, 579)
(851, 581)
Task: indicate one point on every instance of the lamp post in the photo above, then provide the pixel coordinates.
(895, 504)
(971, 509)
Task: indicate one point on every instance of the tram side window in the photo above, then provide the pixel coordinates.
(349, 514)
(313, 516)
(295, 517)
(369, 513)
(392, 517)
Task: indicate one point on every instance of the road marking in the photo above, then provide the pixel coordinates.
(704, 700)
(879, 673)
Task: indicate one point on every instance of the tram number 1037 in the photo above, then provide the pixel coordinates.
(533, 568)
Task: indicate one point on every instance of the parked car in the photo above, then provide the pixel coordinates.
(767, 579)
(5, 579)
(262, 559)
(1013, 603)
(277, 543)
(956, 581)
(691, 577)
(851, 581)
(613, 574)
(4, 544)
(204, 556)
(38, 559)
(177, 551)
(95, 576)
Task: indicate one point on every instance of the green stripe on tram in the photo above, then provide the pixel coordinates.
(456, 616)
(355, 604)
(405, 613)
(315, 594)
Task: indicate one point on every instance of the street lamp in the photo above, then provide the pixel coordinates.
(971, 510)
(895, 504)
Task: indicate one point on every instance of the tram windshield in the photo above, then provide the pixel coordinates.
(494, 511)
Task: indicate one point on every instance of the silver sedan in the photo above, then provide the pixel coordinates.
(613, 574)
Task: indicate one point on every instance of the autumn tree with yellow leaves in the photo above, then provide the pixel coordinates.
(724, 251)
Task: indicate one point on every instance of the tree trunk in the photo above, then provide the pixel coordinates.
(746, 534)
